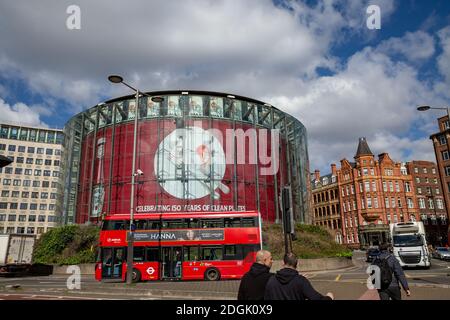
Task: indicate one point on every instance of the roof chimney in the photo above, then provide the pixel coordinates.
(333, 169)
(317, 174)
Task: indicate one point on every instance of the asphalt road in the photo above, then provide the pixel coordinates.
(348, 284)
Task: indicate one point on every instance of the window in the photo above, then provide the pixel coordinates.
(353, 189)
(39, 161)
(40, 150)
(30, 149)
(391, 186)
(407, 187)
(57, 152)
(32, 218)
(54, 184)
(24, 206)
(13, 206)
(437, 191)
(20, 159)
(34, 195)
(46, 173)
(20, 229)
(410, 203)
(422, 203)
(3, 205)
(22, 218)
(433, 171)
(45, 184)
(2, 146)
(375, 202)
(386, 202)
(49, 152)
(15, 194)
(369, 203)
(397, 186)
(36, 184)
(48, 162)
(9, 170)
(374, 186)
(51, 219)
(442, 140)
(399, 202)
(439, 204)
(430, 203)
(12, 218)
(41, 218)
(56, 174)
(17, 182)
(2, 217)
(384, 186)
(37, 172)
(29, 161)
(419, 190)
(393, 202)
(5, 193)
(56, 163)
(44, 195)
(21, 149)
(367, 186)
(372, 172)
(361, 187)
(51, 207)
(43, 206)
(365, 172)
(26, 183)
(12, 148)
(6, 182)
(425, 170)
(33, 206)
(30, 230)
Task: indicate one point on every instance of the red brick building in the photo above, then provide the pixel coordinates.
(372, 194)
(430, 200)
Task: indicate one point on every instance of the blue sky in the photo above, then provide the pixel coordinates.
(316, 60)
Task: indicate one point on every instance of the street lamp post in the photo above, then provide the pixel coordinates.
(425, 108)
(119, 79)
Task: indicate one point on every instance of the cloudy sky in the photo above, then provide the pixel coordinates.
(315, 59)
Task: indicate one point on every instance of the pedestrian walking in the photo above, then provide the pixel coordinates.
(253, 283)
(391, 291)
(288, 284)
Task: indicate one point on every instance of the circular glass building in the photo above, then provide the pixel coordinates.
(195, 151)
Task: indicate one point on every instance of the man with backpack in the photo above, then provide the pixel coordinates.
(391, 273)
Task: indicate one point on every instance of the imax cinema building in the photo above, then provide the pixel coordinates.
(195, 151)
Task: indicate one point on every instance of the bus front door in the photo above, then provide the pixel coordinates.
(171, 263)
(112, 260)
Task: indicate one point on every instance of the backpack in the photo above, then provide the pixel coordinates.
(385, 272)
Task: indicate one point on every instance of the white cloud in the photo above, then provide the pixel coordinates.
(21, 114)
(444, 59)
(414, 46)
(371, 97)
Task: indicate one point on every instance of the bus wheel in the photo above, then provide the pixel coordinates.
(212, 274)
(136, 276)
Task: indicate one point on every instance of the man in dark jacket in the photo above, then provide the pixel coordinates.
(393, 291)
(254, 282)
(288, 284)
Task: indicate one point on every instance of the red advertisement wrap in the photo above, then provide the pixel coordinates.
(185, 169)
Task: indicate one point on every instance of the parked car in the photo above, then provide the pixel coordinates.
(372, 253)
(441, 253)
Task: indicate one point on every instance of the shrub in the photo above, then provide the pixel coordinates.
(72, 244)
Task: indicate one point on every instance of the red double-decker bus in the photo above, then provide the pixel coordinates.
(183, 246)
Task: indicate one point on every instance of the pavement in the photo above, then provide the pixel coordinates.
(346, 284)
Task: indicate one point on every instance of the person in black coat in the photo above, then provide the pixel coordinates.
(393, 291)
(288, 284)
(254, 282)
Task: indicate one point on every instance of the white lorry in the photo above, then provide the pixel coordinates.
(16, 251)
(409, 244)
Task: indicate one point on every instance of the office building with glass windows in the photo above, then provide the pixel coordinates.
(196, 151)
(30, 185)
